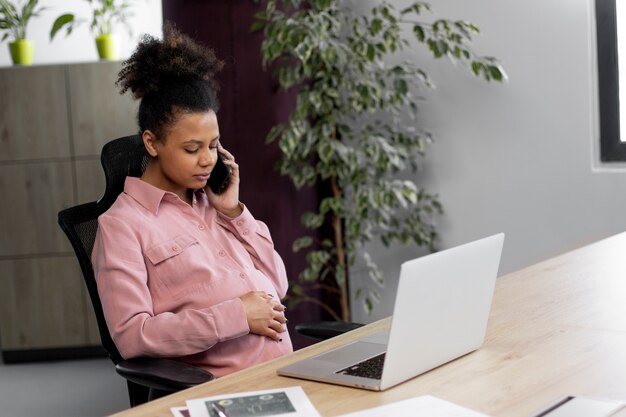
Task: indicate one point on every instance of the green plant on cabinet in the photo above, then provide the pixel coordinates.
(106, 16)
(14, 19)
(354, 130)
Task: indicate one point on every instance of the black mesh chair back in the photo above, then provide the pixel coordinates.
(120, 158)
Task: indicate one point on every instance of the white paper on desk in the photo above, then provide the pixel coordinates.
(426, 406)
(290, 401)
(180, 411)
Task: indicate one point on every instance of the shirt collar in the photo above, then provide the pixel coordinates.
(150, 196)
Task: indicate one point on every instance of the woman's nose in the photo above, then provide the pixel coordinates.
(207, 158)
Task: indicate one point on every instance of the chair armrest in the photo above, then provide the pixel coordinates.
(326, 329)
(162, 374)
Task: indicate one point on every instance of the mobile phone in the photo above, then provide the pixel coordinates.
(220, 176)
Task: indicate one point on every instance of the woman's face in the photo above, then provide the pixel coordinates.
(186, 155)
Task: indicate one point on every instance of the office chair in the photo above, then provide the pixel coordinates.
(147, 378)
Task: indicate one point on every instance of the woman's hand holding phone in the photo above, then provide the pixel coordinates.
(227, 202)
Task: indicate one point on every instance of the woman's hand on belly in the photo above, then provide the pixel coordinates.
(266, 316)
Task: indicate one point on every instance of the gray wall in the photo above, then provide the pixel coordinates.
(520, 157)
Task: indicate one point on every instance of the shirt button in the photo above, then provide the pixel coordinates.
(175, 248)
(242, 275)
(201, 227)
(245, 232)
(222, 253)
(240, 222)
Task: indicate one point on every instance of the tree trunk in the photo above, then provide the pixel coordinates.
(344, 300)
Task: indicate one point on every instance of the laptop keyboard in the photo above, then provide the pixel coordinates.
(369, 368)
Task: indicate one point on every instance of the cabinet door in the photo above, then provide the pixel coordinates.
(99, 112)
(34, 192)
(42, 304)
(33, 113)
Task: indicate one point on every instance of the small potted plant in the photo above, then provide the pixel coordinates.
(14, 18)
(106, 15)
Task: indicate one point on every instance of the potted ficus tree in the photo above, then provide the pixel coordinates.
(14, 18)
(106, 16)
(354, 131)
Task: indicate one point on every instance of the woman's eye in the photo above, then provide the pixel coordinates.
(213, 147)
(191, 150)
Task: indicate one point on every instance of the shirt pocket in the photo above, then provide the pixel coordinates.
(170, 248)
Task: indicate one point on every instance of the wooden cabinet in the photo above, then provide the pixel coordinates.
(54, 121)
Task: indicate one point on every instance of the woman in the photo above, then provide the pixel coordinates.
(181, 271)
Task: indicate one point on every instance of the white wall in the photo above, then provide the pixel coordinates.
(519, 157)
(80, 46)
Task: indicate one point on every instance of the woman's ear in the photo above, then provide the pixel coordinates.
(149, 141)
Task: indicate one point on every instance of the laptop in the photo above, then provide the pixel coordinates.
(440, 313)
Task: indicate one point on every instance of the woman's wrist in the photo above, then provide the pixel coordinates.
(234, 212)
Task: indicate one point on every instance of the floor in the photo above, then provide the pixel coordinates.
(78, 388)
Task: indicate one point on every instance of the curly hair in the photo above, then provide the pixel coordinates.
(171, 77)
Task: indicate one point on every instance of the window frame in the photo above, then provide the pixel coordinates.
(612, 149)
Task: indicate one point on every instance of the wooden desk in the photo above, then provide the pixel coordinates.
(556, 328)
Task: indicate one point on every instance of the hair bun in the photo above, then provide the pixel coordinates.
(157, 64)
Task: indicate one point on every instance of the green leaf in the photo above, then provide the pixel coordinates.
(371, 52)
(274, 133)
(401, 86)
(317, 259)
(330, 204)
(296, 289)
(376, 26)
(340, 275)
(325, 151)
(368, 306)
(261, 15)
(60, 22)
(302, 243)
(311, 220)
(257, 25)
(477, 67)
(419, 33)
(496, 73)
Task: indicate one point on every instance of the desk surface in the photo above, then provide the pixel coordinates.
(556, 328)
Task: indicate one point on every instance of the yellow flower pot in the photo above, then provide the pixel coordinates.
(22, 51)
(107, 47)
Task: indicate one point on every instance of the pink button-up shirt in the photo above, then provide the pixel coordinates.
(170, 276)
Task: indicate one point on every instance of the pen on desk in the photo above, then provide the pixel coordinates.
(221, 411)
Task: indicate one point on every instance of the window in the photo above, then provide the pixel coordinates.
(611, 28)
